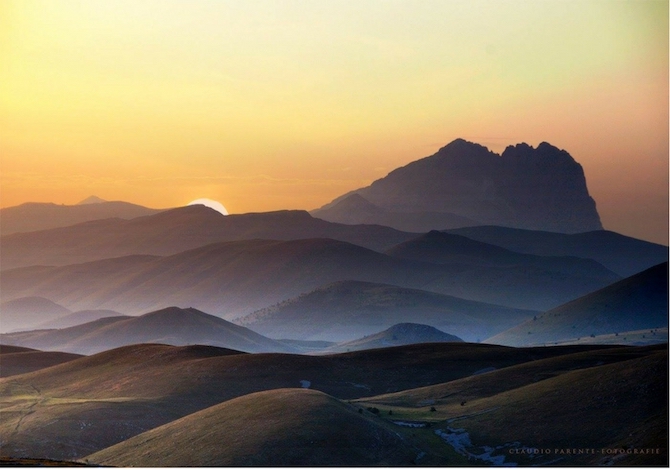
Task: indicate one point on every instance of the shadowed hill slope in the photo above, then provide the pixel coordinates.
(634, 303)
(16, 360)
(286, 427)
(171, 325)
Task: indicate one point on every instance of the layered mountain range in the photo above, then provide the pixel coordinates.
(409, 328)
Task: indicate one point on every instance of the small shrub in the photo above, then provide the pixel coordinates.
(432, 408)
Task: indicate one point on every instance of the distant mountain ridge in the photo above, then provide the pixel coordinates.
(541, 188)
(232, 279)
(91, 200)
(355, 209)
(444, 248)
(28, 312)
(172, 325)
(345, 310)
(623, 255)
(34, 216)
(177, 230)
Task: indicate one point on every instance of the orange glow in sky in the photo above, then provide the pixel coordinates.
(266, 105)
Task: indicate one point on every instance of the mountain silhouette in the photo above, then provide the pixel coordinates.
(541, 188)
(33, 216)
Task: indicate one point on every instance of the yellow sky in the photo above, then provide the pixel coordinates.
(267, 105)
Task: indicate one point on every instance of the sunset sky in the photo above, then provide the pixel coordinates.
(266, 105)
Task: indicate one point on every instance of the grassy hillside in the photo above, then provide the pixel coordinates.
(74, 409)
(286, 427)
(617, 400)
(635, 303)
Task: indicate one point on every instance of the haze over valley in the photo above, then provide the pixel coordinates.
(151, 326)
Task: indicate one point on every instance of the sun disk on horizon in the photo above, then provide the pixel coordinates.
(217, 206)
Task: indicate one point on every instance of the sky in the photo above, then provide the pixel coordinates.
(268, 105)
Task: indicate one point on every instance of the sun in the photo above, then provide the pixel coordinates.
(217, 206)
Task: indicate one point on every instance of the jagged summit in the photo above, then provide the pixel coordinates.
(541, 188)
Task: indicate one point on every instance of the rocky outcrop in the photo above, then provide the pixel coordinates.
(541, 188)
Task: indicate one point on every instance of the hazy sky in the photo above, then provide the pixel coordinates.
(266, 105)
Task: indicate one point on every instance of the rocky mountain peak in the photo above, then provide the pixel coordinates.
(541, 188)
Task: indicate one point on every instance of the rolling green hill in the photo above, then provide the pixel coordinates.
(74, 409)
(616, 400)
(285, 427)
